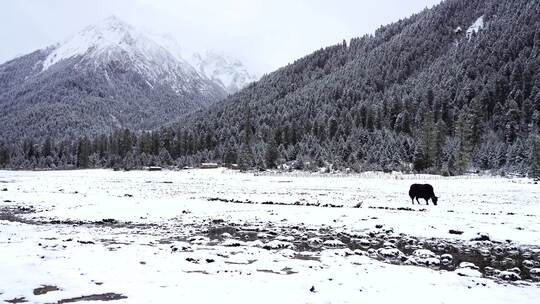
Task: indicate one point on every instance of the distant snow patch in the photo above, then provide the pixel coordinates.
(475, 27)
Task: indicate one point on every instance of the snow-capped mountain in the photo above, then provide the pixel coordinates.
(115, 40)
(229, 73)
(107, 76)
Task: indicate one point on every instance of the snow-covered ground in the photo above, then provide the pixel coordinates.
(206, 236)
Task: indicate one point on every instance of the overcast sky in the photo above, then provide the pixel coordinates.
(264, 34)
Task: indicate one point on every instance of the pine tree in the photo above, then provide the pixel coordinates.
(475, 120)
(449, 156)
(403, 123)
(271, 153)
(4, 155)
(164, 157)
(534, 170)
(47, 148)
(438, 142)
(125, 143)
(430, 141)
(332, 128)
(154, 143)
(464, 132)
(83, 152)
(512, 122)
(245, 157)
(129, 161)
(419, 157)
(230, 156)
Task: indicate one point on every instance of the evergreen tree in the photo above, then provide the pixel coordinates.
(464, 132)
(534, 170)
(332, 127)
(47, 147)
(450, 153)
(419, 157)
(125, 143)
(475, 120)
(129, 161)
(403, 123)
(83, 153)
(430, 146)
(164, 157)
(271, 154)
(512, 122)
(230, 156)
(245, 156)
(4, 155)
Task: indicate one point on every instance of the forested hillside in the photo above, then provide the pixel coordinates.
(448, 90)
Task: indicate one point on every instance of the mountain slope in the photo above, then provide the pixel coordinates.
(418, 94)
(106, 76)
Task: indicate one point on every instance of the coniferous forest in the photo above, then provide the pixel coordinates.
(428, 93)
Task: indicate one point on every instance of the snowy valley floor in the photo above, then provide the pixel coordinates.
(207, 236)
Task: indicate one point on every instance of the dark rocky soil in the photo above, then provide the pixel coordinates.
(498, 260)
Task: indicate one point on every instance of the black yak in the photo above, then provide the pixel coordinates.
(424, 191)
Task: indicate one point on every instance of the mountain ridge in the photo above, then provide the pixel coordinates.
(227, 72)
(110, 67)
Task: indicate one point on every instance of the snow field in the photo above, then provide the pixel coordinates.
(171, 255)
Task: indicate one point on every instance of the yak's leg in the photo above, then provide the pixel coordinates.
(417, 201)
(412, 200)
(427, 202)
